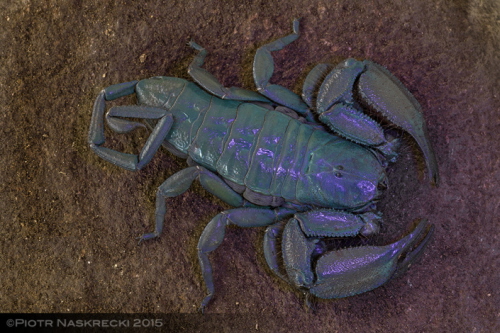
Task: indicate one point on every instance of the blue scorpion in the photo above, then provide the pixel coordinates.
(316, 160)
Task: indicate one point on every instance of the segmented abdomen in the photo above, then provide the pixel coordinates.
(247, 144)
(252, 146)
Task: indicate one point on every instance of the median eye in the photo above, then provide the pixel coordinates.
(338, 175)
(339, 167)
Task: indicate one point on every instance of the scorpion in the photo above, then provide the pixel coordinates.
(317, 161)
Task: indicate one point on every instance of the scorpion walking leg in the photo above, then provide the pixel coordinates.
(214, 232)
(211, 84)
(96, 133)
(263, 68)
(179, 182)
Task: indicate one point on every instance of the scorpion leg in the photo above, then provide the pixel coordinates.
(214, 233)
(96, 133)
(179, 182)
(211, 84)
(263, 68)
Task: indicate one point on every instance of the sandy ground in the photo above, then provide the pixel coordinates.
(70, 220)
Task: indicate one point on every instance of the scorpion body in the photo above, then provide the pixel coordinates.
(315, 160)
(268, 156)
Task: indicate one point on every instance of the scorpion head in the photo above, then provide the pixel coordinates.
(344, 175)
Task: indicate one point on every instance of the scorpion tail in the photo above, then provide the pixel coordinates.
(118, 120)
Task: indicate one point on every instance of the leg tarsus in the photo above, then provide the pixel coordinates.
(160, 211)
(206, 269)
